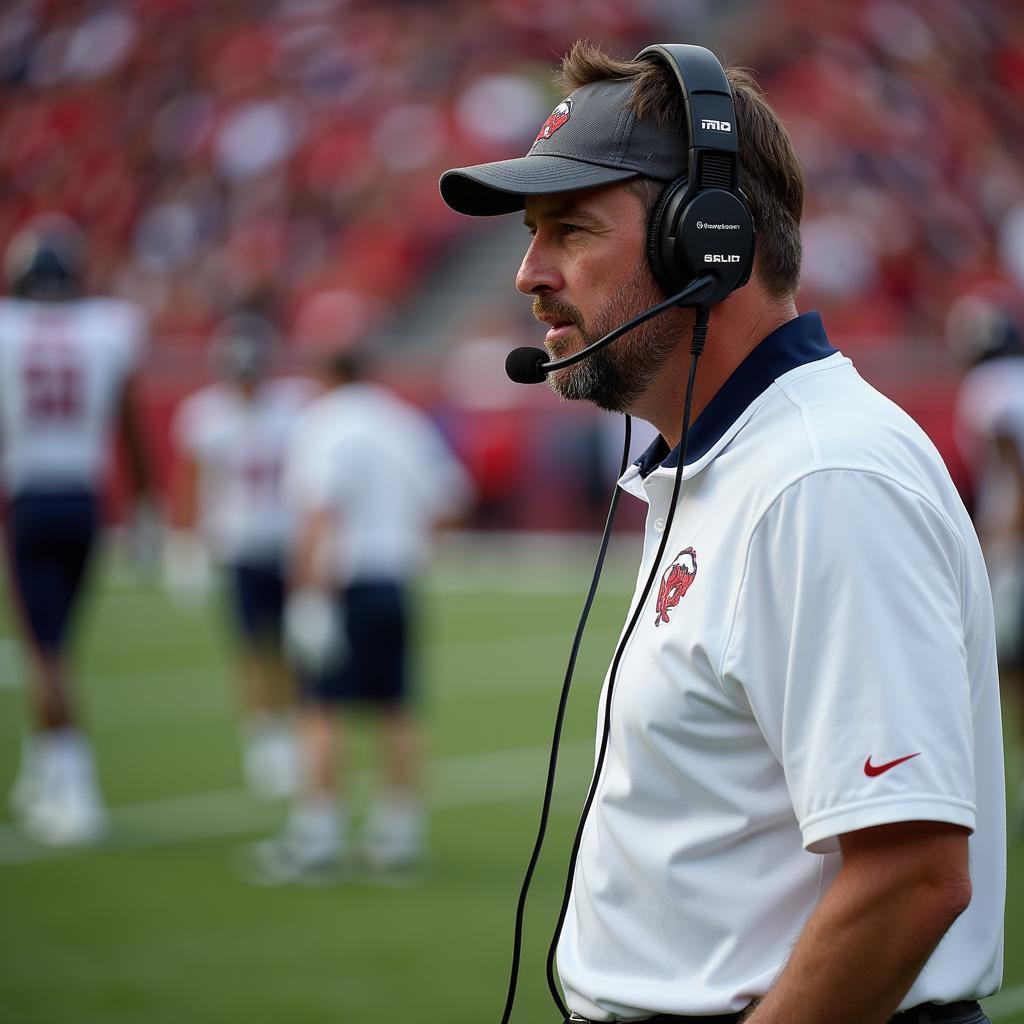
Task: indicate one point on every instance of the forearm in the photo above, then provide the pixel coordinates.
(864, 945)
(309, 563)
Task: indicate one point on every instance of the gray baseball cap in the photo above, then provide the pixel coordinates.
(591, 138)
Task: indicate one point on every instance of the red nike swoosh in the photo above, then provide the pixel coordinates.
(872, 770)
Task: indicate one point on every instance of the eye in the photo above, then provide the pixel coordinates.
(570, 229)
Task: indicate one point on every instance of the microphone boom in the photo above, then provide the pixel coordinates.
(529, 365)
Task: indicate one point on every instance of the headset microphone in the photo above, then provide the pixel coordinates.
(530, 365)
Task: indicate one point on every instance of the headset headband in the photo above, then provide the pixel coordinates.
(710, 113)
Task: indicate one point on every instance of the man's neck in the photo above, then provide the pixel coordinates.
(735, 330)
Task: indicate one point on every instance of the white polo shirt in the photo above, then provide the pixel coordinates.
(385, 472)
(63, 367)
(816, 656)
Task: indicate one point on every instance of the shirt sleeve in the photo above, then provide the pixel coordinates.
(848, 645)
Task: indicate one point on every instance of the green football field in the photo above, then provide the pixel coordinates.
(158, 925)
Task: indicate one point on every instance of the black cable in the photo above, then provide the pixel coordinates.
(700, 332)
(559, 720)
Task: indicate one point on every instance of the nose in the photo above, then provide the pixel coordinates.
(538, 273)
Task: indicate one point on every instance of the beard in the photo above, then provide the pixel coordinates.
(615, 377)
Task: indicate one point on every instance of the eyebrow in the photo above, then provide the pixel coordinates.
(573, 210)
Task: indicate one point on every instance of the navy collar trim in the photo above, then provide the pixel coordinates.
(799, 341)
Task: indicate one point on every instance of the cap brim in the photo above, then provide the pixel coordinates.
(485, 190)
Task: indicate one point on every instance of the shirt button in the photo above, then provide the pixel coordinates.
(659, 524)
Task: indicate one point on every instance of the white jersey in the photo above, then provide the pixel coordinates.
(816, 657)
(386, 471)
(238, 444)
(63, 367)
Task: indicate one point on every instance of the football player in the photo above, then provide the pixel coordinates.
(229, 439)
(68, 369)
(367, 479)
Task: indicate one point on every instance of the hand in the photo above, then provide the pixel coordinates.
(314, 629)
(187, 573)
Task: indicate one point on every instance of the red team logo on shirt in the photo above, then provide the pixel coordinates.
(555, 120)
(675, 582)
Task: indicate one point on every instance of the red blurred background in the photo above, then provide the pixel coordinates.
(283, 157)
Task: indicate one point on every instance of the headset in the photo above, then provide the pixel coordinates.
(700, 246)
(701, 223)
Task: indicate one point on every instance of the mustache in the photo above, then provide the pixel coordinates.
(548, 308)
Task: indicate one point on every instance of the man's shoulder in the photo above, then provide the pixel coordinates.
(323, 418)
(832, 422)
(289, 392)
(107, 317)
(207, 408)
(208, 398)
(848, 422)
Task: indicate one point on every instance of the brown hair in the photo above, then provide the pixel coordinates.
(770, 174)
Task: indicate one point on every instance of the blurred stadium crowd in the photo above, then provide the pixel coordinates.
(284, 153)
(281, 156)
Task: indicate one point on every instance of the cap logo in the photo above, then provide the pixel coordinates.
(555, 120)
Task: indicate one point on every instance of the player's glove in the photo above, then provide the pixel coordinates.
(314, 630)
(187, 572)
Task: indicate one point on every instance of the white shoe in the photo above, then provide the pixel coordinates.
(393, 842)
(283, 861)
(311, 850)
(58, 800)
(67, 817)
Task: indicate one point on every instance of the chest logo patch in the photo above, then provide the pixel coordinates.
(675, 582)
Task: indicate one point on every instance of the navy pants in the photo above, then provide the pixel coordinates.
(50, 538)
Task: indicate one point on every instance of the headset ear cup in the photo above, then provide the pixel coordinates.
(666, 273)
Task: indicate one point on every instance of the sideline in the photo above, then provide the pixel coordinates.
(454, 782)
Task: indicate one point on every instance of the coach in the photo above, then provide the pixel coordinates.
(798, 817)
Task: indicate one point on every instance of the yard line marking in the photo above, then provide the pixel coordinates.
(1005, 1003)
(219, 674)
(454, 782)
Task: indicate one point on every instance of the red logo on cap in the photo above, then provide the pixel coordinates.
(555, 120)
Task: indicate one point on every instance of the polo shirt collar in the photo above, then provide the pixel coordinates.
(799, 341)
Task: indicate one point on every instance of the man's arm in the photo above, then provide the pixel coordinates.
(313, 623)
(309, 567)
(898, 891)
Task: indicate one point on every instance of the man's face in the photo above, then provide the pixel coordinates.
(587, 270)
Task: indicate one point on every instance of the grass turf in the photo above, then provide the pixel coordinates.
(158, 925)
